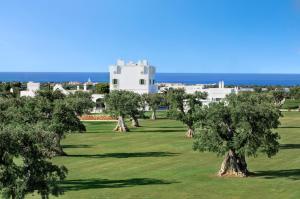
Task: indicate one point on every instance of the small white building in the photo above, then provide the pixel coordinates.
(32, 88)
(137, 77)
(59, 87)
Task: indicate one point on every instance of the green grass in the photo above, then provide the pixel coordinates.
(291, 104)
(157, 161)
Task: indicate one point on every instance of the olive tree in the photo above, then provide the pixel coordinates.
(184, 107)
(25, 166)
(56, 112)
(153, 101)
(240, 126)
(120, 103)
(80, 102)
(279, 96)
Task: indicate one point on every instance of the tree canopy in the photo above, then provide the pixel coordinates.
(153, 100)
(240, 126)
(185, 107)
(121, 103)
(25, 165)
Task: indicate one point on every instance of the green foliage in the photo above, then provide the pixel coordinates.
(295, 92)
(51, 109)
(64, 120)
(33, 146)
(81, 102)
(102, 88)
(31, 130)
(244, 123)
(6, 86)
(153, 100)
(122, 103)
(185, 107)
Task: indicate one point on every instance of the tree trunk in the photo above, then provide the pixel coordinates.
(135, 122)
(121, 126)
(153, 116)
(233, 165)
(59, 150)
(190, 133)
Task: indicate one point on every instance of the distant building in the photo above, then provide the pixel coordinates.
(59, 87)
(213, 94)
(32, 88)
(137, 77)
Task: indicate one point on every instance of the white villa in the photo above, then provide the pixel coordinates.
(137, 77)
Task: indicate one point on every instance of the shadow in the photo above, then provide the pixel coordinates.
(160, 131)
(67, 146)
(289, 127)
(290, 146)
(293, 174)
(166, 127)
(73, 185)
(126, 155)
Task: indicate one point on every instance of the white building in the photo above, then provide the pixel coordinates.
(213, 94)
(59, 87)
(32, 88)
(217, 94)
(137, 77)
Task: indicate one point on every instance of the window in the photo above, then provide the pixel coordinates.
(115, 81)
(142, 82)
(153, 81)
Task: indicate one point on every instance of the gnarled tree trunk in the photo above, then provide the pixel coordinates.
(59, 150)
(121, 126)
(190, 133)
(233, 165)
(135, 122)
(153, 116)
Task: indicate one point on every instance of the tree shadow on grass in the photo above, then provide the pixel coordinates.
(290, 146)
(289, 127)
(67, 146)
(126, 155)
(159, 130)
(293, 174)
(74, 185)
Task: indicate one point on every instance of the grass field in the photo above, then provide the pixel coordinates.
(291, 104)
(157, 161)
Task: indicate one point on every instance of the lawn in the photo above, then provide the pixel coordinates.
(291, 104)
(157, 161)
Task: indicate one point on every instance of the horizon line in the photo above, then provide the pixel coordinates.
(258, 73)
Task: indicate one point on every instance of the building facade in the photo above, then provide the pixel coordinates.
(32, 88)
(137, 77)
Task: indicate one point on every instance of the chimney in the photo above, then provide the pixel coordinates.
(84, 87)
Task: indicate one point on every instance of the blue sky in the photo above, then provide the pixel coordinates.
(206, 36)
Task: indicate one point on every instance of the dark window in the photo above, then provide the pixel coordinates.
(142, 82)
(153, 81)
(115, 81)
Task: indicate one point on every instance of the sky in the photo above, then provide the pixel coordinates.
(191, 36)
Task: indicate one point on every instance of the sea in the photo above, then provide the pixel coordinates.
(185, 78)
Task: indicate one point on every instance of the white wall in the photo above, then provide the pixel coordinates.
(130, 74)
(32, 88)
